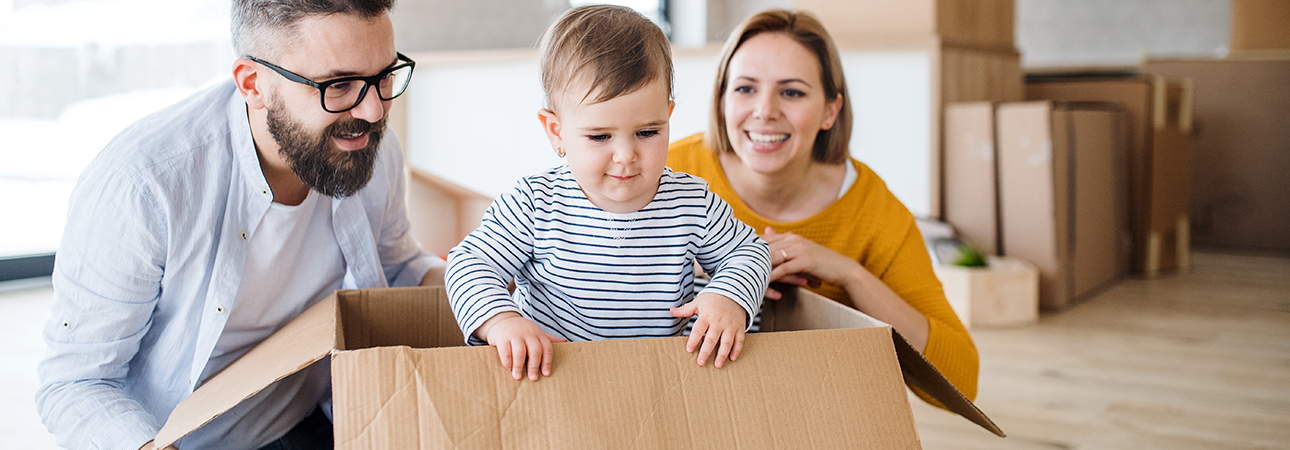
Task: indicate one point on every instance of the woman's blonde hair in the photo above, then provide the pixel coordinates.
(830, 145)
(612, 50)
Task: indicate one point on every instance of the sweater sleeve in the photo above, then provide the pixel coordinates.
(738, 259)
(481, 266)
(949, 346)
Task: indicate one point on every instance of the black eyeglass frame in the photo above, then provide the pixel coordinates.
(367, 81)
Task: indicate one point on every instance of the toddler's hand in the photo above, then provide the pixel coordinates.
(720, 326)
(520, 342)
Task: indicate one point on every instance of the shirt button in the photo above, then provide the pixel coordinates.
(67, 325)
(243, 235)
(264, 192)
(219, 310)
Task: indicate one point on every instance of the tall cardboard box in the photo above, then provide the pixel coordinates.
(971, 174)
(1159, 116)
(1061, 193)
(976, 23)
(1240, 187)
(402, 380)
(1260, 25)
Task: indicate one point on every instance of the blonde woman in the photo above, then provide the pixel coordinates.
(776, 151)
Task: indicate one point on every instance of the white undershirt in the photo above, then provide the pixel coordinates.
(293, 261)
(849, 180)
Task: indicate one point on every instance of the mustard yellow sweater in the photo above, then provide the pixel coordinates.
(868, 225)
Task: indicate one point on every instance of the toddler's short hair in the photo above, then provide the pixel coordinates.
(612, 50)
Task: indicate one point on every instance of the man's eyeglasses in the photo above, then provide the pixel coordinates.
(343, 94)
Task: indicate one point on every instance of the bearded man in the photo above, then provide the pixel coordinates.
(203, 228)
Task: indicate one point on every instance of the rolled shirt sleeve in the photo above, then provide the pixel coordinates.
(107, 283)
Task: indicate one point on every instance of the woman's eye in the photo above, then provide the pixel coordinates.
(793, 93)
(647, 133)
(598, 137)
(743, 90)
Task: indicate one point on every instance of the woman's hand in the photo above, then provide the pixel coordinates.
(799, 261)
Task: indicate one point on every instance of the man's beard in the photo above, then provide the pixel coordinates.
(314, 157)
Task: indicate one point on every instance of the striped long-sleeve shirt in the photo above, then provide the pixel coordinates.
(584, 273)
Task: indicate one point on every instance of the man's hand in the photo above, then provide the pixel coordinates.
(720, 326)
(520, 342)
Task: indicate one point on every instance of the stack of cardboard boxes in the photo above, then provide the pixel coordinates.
(1087, 181)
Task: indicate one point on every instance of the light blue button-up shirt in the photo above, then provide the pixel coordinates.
(152, 258)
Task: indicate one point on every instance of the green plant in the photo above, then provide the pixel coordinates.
(970, 256)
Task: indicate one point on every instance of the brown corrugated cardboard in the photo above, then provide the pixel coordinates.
(971, 180)
(401, 380)
(1061, 194)
(1260, 25)
(1240, 193)
(1158, 117)
(1003, 294)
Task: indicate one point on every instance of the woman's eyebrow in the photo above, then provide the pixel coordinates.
(785, 81)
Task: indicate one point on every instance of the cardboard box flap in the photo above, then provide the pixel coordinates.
(306, 339)
(631, 393)
(808, 310)
(920, 373)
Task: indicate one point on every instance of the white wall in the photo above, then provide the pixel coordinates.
(475, 123)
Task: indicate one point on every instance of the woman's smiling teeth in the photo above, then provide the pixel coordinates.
(767, 138)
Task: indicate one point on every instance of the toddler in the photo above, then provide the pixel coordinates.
(605, 245)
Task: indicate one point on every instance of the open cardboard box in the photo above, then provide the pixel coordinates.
(401, 378)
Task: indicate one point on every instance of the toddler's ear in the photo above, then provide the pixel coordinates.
(551, 126)
(670, 106)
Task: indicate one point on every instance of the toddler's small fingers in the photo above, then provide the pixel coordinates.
(504, 351)
(696, 334)
(710, 340)
(554, 338)
(723, 350)
(536, 354)
(686, 310)
(739, 346)
(548, 354)
(518, 350)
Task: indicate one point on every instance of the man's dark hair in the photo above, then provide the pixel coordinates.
(260, 27)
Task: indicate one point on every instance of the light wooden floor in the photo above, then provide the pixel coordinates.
(1192, 361)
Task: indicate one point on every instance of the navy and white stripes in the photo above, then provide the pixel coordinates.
(583, 273)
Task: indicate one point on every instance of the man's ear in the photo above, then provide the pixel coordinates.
(551, 126)
(246, 76)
